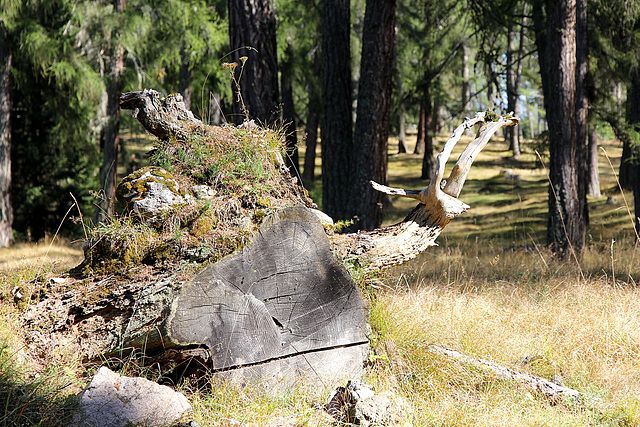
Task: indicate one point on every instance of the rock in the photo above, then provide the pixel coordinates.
(358, 404)
(384, 409)
(112, 400)
(149, 192)
(611, 201)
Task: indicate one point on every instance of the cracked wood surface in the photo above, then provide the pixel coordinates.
(284, 295)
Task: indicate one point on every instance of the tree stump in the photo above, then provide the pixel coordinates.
(282, 305)
(281, 308)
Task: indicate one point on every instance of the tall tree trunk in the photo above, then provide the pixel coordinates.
(314, 110)
(633, 99)
(514, 71)
(582, 108)
(402, 132)
(6, 213)
(185, 76)
(556, 41)
(337, 125)
(110, 139)
(625, 174)
(428, 162)
(593, 186)
(466, 88)
(289, 114)
(252, 35)
(374, 102)
(422, 126)
(311, 140)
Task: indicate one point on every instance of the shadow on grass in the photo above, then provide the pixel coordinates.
(39, 401)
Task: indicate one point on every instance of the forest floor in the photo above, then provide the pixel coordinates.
(490, 289)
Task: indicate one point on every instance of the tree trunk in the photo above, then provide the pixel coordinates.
(6, 213)
(582, 108)
(369, 161)
(314, 110)
(337, 124)
(402, 132)
(252, 35)
(593, 189)
(280, 310)
(633, 99)
(514, 71)
(466, 88)
(625, 174)
(311, 140)
(428, 164)
(422, 126)
(110, 138)
(556, 41)
(289, 115)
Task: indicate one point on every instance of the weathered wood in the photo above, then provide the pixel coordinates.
(284, 295)
(402, 242)
(163, 117)
(536, 384)
(280, 309)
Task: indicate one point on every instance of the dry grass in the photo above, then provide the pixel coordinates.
(490, 289)
(504, 308)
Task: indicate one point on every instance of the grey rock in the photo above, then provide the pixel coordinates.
(149, 192)
(112, 400)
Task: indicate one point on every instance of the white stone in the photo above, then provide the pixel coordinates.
(112, 400)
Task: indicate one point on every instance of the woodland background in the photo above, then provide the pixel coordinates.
(348, 72)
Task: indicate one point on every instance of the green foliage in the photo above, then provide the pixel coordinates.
(184, 40)
(55, 96)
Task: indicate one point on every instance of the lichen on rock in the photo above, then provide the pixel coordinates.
(149, 193)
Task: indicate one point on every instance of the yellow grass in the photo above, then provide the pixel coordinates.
(489, 289)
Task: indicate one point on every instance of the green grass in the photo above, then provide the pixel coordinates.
(490, 289)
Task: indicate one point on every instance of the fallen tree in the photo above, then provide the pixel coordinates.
(221, 261)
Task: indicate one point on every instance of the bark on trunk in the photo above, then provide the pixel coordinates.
(556, 41)
(6, 213)
(634, 119)
(337, 125)
(582, 108)
(422, 128)
(289, 115)
(110, 139)
(311, 139)
(402, 132)
(466, 88)
(428, 163)
(314, 109)
(252, 34)
(514, 71)
(625, 174)
(369, 161)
